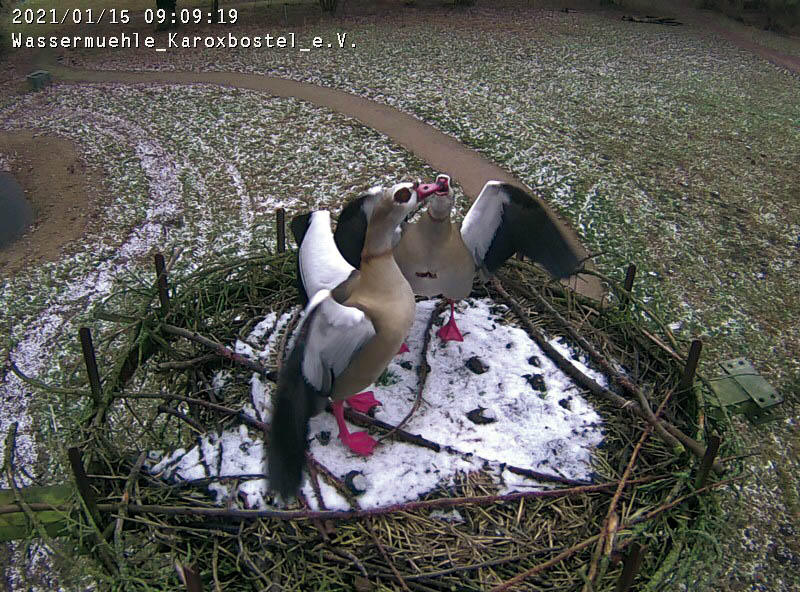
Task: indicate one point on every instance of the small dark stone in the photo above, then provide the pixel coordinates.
(565, 404)
(534, 361)
(536, 381)
(355, 482)
(477, 365)
(324, 438)
(407, 365)
(476, 416)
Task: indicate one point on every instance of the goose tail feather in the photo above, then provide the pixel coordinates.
(295, 403)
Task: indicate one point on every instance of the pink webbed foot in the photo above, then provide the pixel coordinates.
(403, 349)
(363, 402)
(359, 442)
(450, 332)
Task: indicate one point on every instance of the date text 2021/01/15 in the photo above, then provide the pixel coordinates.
(121, 16)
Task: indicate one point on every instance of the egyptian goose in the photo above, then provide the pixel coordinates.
(438, 257)
(354, 323)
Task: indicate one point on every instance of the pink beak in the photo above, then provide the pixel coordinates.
(440, 186)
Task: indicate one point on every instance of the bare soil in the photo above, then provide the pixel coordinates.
(60, 188)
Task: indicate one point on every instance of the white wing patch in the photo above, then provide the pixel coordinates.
(322, 267)
(483, 219)
(336, 333)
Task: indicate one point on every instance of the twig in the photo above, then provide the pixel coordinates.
(333, 480)
(595, 356)
(290, 326)
(184, 364)
(43, 385)
(354, 514)
(340, 554)
(192, 401)
(398, 578)
(509, 584)
(215, 566)
(424, 369)
(396, 433)
(123, 514)
(673, 436)
(220, 350)
(481, 565)
(609, 530)
(182, 416)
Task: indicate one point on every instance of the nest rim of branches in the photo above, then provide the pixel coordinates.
(651, 505)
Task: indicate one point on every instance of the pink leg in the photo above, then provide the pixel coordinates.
(449, 331)
(403, 349)
(362, 402)
(359, 442)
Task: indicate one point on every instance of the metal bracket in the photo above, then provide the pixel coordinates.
(39, 79)
(743, 390)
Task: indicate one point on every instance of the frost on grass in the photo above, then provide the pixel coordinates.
(549, 428)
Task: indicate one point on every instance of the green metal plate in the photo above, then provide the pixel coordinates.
(743, 390)
(758, 390)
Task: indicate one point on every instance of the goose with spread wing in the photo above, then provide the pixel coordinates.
(354, 323)
(438, 257)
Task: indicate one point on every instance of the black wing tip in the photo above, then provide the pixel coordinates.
(299, 226)
(531, 230)
(351, 229)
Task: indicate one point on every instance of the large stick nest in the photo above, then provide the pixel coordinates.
(157, 394)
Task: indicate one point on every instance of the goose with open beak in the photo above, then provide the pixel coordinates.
(353, 325)
(439, 257)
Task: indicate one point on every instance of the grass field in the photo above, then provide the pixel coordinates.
(661, 145)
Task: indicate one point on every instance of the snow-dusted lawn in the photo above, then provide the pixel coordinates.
(662, 145)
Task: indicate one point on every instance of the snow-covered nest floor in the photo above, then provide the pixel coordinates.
(473, 512)
(537, 419)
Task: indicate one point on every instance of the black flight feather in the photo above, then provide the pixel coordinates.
(526, 228)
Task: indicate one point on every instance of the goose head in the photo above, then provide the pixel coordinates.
(390, 210)
(440, 197)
